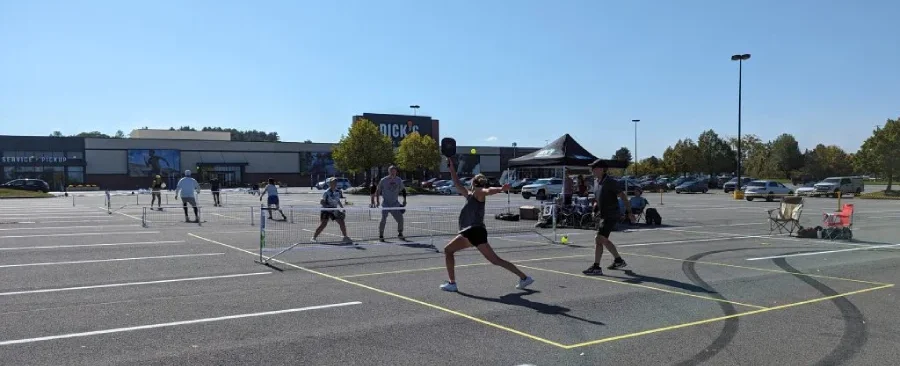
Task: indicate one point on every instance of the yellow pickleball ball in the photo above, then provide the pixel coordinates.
(472, 151)
(565, 239)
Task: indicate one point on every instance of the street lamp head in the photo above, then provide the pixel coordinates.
(514, 144)
(745, 56)
(635, 120)
(414, 106)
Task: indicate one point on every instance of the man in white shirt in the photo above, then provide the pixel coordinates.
(188, 188)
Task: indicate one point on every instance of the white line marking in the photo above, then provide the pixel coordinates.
(108, 260)
(688, 241)
(172, 324)
(80, 234)
(226, 216)
(55, 222)
(42, 291)
(774, 237)
(105, 209)
(825, 252)
(93, 245)
(66, 227)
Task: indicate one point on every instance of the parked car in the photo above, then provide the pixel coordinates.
(342, 184)
(654, 186)
(34, 185)
(806, 189)
(678, 181)
(429, 183)
(729, 186)
(843, 185)
(543, 188)
(693, 186)
(516, 187)
(767, 189)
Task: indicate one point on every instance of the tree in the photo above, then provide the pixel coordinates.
(362, 148)
(56, 134)
(651, 165)
(826, 161)
(683, 158)
(418, 153)
(749, 144)
(714, 154)
(622, 154)
(247, 136)
(785, 154)
(307, 141)
(94, 134)
(879, 153)
(119, 135)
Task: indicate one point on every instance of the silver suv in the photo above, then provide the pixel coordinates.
(839, 185)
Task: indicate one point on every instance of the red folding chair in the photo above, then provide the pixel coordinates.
(838, 225)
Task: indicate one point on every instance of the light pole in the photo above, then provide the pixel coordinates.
(635, 146)
(415, 108)
(740, 59)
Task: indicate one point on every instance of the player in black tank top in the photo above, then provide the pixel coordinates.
(472, 230)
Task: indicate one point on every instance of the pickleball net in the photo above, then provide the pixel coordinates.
(427, 227)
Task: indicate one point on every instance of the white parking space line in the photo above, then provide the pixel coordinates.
(67, 227)
(108, 260)
(80, 234)
(825, 252)
(690, 241)
(172, 324)
(93, 245)
(126, 284)
(29, 222)
(121, 213)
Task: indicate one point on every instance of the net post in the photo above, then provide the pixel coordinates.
(137, 199)
(252, 219)
(262, 235)
(553, 214)
(144, 217)
(73, 200)
(291, 208)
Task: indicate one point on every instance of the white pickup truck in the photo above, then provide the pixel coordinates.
(843, 185)
(544, 187)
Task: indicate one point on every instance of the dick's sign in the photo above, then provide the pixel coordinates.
(397, 127)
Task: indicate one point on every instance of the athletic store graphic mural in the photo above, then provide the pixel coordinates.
(150, 162)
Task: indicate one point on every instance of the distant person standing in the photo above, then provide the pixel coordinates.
(373, 189)
(155, 192)
(272, 191)
(215, 187)
(152, 161)
(188, 188)
(390, 188)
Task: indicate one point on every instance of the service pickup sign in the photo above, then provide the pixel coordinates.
(397, 126)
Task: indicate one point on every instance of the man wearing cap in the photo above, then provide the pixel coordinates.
(188, 188)
(390, 188)
(607, 195)
(155, 192)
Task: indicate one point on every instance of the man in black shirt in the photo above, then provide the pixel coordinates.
(214, 186)
(607, 195)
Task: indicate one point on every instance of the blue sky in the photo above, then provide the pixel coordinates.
(493, 72)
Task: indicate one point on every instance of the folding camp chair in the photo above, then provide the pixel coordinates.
(787, 216)
(838, 225)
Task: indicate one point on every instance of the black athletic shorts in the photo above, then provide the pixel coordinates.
(476, 235)
(606, 227)
(332, 215)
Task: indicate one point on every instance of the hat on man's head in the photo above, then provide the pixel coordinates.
(393, 167)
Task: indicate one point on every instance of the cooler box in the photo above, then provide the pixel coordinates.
(529, 213)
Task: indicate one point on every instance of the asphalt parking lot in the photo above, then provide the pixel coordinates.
(86, 284)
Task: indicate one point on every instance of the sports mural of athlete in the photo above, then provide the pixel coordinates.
(152, 161)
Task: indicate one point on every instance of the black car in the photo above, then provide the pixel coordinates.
(729, 186)
(34, 185)
(693, 186)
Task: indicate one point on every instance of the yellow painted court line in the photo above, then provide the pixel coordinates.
(706, 321)
(759, 269)
(457, 266)
(388, 293)
(597, 278)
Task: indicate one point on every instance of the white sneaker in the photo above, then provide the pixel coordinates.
(314, 239)
(523, 283)
(449, 287)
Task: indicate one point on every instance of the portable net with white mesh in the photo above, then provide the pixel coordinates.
(421, 227)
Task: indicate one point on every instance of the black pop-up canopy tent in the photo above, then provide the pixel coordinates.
(563, 152)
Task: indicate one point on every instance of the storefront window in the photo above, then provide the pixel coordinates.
(75, 175)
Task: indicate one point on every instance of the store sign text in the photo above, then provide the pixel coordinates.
(33, 159)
